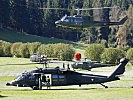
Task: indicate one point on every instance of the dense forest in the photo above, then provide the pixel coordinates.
(26, 16)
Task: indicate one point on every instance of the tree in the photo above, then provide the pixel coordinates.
(4, 13)
(94, 52)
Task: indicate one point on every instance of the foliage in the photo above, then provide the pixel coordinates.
(15, 49)
(46, 50)
(1, 50)
(112, 55)
(24, 51)
(94, 52)
(104, 43)
(111, 45)
(5, 48)
(33, 47)
(129, 54)
(25, 16)
(63, 51)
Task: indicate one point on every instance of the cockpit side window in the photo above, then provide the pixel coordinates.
(78, 20)
(66, 20)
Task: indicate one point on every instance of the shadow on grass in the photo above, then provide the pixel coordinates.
(1, 96)
(73, 89)
(57, 89)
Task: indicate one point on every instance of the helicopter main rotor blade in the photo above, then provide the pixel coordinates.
(36, 63)
(54, 8)
(78, 9)
(20, 64)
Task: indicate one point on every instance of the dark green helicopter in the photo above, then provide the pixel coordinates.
(87, 64)
(79, 21)
(85, 22)
(48, 77)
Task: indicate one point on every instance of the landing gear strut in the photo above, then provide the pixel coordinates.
(104, 85)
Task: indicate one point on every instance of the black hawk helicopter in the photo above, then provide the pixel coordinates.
(40, 77)
(81, 22)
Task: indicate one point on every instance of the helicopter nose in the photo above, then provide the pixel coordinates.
(12, 83)
(8, 84)
(57, 22)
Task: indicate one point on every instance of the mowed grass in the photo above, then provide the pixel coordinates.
(118, 90)
(69, 94)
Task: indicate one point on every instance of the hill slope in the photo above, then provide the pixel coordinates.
(12, 36)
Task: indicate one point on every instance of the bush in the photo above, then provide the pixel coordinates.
(111, 45)
(94, 52)
(63, 51)
(46, 50)
(112, 55)
(104, 43)
(6, 46)
(33, 47)
(15, 49)
(24, 51)
(1, 51)
(125, 48)
(129, 54)
(1, 48)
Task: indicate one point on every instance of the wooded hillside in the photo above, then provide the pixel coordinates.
(25, 16)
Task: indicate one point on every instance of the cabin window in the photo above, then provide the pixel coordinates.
(77, 20)
(58, 77)
(55, 77)
(61, 77)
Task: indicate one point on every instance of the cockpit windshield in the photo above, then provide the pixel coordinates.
(63, 18)
(20, 77)
(25, 75)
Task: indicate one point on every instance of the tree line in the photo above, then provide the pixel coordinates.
(25, 16)
(25, 50)
(64, 52)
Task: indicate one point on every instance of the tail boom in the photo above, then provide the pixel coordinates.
(120, 69)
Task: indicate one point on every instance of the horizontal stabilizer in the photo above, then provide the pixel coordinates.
(122, 21)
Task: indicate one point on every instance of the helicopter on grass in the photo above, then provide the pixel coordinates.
(86, 64)
(40, 58)
(48, 77)
(81, 22)
(77, 63)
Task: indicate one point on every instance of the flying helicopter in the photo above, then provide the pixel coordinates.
(48, 77)
(86, 64)
(81, 22)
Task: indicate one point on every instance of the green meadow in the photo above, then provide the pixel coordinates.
(118, 90)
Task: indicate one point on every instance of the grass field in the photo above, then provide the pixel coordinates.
(12, 36)
(118, 90)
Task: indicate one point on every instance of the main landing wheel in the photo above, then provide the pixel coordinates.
(35, 88)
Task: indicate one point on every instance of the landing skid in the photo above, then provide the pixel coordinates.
(104, 85)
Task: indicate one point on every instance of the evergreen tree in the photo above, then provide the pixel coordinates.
(4, 13)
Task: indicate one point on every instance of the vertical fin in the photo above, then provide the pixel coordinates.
(120, 69)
